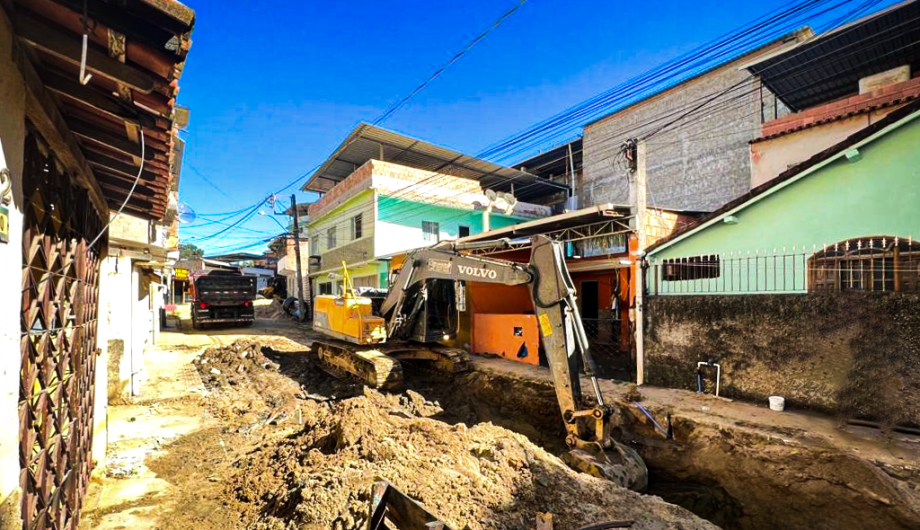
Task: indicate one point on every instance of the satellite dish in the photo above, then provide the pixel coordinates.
(491, 195)
(186, 213)
(507, 196)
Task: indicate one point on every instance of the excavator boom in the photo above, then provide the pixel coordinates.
(588, 423)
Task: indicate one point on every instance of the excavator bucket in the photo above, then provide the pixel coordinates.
(619, 464)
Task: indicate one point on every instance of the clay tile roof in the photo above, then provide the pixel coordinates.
(860, 135)
(889, 96)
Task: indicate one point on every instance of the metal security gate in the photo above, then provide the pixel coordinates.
(60, 283)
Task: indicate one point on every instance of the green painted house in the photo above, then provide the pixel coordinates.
(847, 218)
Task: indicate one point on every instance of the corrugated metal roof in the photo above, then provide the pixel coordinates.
(830, 67)
(368, 142)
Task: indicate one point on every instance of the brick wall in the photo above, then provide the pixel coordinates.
(359, 180)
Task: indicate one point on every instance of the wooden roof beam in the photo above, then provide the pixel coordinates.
(44, 113)
(160, 185)
(101, 161)
(91, 97)
(69, 47)
(120, 186)
(99, 135)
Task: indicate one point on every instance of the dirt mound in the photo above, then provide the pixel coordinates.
(483, 477)
(269, 310)
(246, 384)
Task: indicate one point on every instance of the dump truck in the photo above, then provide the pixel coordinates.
(421, 311)
(223, 297)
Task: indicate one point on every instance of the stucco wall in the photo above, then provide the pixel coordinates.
(399, 223)
(771, 157)
(12, 138)
(853, 354)
(874, 196)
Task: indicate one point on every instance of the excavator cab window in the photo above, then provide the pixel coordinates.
(430, 309)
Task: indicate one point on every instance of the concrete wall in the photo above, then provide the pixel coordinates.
(697, 164)
(12, 137)
(115, 329)
(853, 354)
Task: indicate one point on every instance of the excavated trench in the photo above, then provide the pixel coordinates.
(734, 477)
(737, 478)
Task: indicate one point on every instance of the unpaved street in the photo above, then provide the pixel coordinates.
(244, 431)
(170, 449)
(241, 429)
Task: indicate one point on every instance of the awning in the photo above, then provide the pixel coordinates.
(829, 67)
(368, 142)
(584, 216)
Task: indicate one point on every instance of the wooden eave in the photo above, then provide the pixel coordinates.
(136, 53)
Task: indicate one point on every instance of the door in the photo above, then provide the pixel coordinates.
(588, 294)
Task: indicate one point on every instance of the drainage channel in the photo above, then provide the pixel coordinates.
(737, 478)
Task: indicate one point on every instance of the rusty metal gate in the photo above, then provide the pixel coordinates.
(60, 282)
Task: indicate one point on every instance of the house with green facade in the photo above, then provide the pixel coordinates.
(846, 218)
(384, 194)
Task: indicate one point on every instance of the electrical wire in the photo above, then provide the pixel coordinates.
(735, 36)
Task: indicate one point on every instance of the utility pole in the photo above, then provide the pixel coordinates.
(303, 306)
(641, 185)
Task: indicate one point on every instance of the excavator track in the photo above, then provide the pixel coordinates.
(381, 367)
(348, 361)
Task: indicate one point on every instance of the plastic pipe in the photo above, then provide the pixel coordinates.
(718, 374)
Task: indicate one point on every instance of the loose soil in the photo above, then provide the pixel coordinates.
(270, 310)
(478, 477)
(297, 448)
(342, 437)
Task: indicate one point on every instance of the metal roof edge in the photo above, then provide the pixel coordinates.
(841, 149)
(356, 132)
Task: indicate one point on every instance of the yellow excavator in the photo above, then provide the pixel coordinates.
(421, 310)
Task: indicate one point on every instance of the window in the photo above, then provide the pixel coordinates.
(463, 231)
(869, 264)
(356, 227)
(431, 231)
(695, 268)
(330, 238)
(314, 247)
(325, 288)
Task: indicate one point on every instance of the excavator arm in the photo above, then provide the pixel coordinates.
(588, 424)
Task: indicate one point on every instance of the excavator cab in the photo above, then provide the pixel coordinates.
(430, 312)
(348, 316)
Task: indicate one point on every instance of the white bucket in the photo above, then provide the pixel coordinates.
(777, 403)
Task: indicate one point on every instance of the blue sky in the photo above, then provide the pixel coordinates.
(274, 87)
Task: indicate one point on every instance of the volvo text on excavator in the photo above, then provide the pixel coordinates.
(421, 310)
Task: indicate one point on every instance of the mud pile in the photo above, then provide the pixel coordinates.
(481, 477)
(233, 364)
(246, 384)
(270, 310)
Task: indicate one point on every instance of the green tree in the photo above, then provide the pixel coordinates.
(189, 251)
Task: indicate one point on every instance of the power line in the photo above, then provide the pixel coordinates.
(706, 99)
(389, 112)
(689, 65)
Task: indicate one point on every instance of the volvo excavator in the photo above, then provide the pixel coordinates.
(421, 310)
